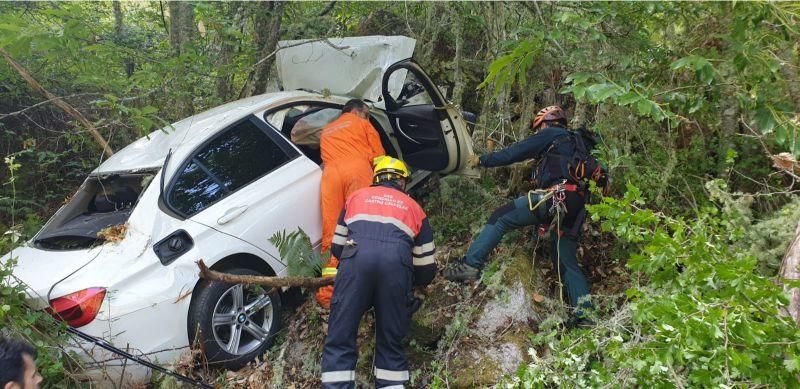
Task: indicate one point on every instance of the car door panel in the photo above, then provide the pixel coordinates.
(284, 200)
(427, 128)
(249, 182)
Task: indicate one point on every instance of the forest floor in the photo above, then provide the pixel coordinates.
(464, 335)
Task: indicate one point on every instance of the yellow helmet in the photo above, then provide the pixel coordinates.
(388, 168)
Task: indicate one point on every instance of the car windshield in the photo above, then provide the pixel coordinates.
(101, 204)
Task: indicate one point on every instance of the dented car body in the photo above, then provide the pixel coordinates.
(216, 186)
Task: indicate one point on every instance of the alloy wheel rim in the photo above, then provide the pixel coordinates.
(241, 319)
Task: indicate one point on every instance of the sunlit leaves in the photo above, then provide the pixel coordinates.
(595, 88)
(514, 65)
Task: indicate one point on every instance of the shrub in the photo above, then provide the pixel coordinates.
(698, 314)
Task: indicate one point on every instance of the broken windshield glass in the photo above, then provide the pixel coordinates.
(101, 202)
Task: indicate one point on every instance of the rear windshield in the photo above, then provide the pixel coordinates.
(101, 204)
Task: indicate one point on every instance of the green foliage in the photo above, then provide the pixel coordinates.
(699, 315)
(296, 251)
(769, 238)
(463, 197)
(516, 63)
(18, 319)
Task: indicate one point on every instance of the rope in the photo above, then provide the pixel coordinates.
(546, 195)
(558, 255)
(533, 260)
(558, 204)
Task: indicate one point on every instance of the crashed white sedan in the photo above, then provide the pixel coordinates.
(216, 186)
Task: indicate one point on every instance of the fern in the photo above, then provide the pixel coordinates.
(296, 251)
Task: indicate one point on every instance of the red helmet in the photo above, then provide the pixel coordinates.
(552, 113)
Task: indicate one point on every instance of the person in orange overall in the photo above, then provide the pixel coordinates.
(349, 144)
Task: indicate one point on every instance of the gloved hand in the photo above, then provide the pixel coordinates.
(473, 160)
(325, 293)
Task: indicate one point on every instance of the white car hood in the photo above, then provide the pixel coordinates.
(350, 67)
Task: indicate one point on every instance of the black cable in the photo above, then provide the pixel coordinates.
(107, 346)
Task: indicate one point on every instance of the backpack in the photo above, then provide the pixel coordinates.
(578, 168)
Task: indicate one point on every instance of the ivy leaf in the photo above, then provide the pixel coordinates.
(629, 98)
(578, 78)
(644, 107)
(764, 120)
(600, 92)
(578, 92)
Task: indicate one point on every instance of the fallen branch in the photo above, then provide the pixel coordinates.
(328, 8)
(274, 282)
(58, 101)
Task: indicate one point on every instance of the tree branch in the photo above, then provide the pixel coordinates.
(45, 102)
(327, 9)
(274, 282)
(57, 101)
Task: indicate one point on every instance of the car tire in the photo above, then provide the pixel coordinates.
(221, 311)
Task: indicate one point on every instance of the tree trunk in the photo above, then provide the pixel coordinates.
(119, 36)
(458, 73)
(224, 82)
(430, 34)
(181, 26)
(182, 31)
(580, 115)
(494, 109)
(789, 271)
(729, 123)
(267, 32)
(789, 72)
(174, 8)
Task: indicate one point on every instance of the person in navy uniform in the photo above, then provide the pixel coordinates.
(385, 246)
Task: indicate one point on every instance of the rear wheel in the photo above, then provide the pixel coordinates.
(233, 323)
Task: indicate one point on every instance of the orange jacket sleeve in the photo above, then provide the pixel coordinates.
(374, 140)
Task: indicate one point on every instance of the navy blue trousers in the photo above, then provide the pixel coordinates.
(564, 249)
(373, 274)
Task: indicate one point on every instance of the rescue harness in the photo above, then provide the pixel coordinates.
(558, 209)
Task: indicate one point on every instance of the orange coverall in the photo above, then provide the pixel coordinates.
(348, 146)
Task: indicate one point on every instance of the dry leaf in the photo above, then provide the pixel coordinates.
(538, 298)
(786, 161)
(113, 234)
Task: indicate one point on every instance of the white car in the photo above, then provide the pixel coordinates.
(216, 186)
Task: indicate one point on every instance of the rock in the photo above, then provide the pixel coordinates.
(496, 341)
(502, 312)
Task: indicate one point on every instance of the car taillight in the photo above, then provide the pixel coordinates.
(78, 309)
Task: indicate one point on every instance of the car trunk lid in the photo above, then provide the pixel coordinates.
(350, 67)
(38, 278)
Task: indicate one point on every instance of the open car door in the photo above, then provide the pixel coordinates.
(431, 133)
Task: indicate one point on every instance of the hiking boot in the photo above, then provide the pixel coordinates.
(579, 322)
(461, 271)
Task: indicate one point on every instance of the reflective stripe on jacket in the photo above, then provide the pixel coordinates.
(385, 216)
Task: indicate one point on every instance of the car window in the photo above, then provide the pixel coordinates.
(413, 92)
(235, 158)
(194, 190)
(276, 118)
